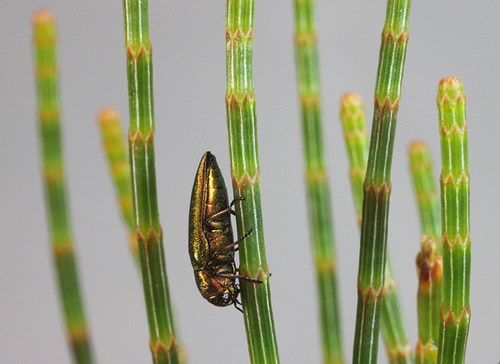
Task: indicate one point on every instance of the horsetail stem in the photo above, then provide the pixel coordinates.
(377, 185)
(430, 279)
(425, 190)
(394, 331)
(429, 261)
(242, 131)
(318, 192)
(149, 233)
(352, 116)
(117, 155)
(455, 223)
(47, 82)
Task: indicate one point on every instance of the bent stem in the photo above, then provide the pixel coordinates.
(242, 130)
(394, 331)
(319, 204)
(61, 236)
(142, 163)
(455, 214)
(116, 153)
(429, 261)
(377, 186)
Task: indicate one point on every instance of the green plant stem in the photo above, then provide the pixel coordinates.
(430, 279)
(425, 191)
(394, 331)
(116, 152)
(141, 150)
(455, 215)
(377, 186)
(429, 261)
(61, 237)
(242, 130)
(319, 205)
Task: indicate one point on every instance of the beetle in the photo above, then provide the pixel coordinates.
(211, 243)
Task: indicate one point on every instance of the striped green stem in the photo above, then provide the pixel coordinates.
(429, 261)
(352, 116)
(319, 205)
(141, 150)
(430, 279)
(116, 152)
(242, 130)
(455, 214)
(47, 82)
(377, 186)
(394, 331)
(425, 190)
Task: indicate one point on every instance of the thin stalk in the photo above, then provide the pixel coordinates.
(394, 331)
(242, 130)
(455, 214)
(142, 163)
(47, 82)
(429, 260)
(318, 192)
(377, 186)
(424, 184)
(430, 279)
(116, 152)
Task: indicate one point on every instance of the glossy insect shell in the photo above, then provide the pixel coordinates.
(214, 267)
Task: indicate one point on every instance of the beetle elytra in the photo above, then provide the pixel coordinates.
(211, 243)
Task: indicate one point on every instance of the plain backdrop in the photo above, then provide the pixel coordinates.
(447, 38)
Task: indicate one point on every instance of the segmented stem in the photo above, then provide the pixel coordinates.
(429, 261)
(47, 82)
(352, 116)
(242, 130)
(455, 214)
(142, 163)
(430, 279)
(377, 186)
(424, 184)
(116, 152)
(394, 331)
(319, 204)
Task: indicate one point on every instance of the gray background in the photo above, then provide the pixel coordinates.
(447, 38)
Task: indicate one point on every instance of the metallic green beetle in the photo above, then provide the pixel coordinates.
(211, 244)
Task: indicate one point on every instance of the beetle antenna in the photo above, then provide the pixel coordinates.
(229, 209)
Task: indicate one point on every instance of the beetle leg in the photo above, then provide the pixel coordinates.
(248, 279)
(247, 234)
(235, 298)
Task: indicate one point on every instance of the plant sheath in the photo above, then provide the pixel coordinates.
(116, 152)
(61, 237)
(142, 163)
(318, 192)
(377, 185)
(394, 331)
(455, 223)
(429, 260)
(242, 130)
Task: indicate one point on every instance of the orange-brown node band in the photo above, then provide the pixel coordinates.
(371, 293)
(399, 352)
(325, 265)
(161, 349)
